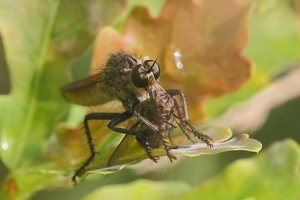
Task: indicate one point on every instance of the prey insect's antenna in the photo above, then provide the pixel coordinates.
(153, 63)
(151, 67)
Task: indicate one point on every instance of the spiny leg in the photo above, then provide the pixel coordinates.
(133, 132)
(199, 135)
(186, 134)
(126, 115)
(146, 121)
(167, 149)
(142, 140)
(175, 92)
(157, 131)
(180, 116)
(169, 133)
(116, 118)
(87, 118)
(184, 119)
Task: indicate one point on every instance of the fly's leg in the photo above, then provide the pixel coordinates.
(170, 139)
(159, 132)
(169, 133)
(199, 135)
(142, 140)
(87, 118)
(184, 119)
(184, 113)
(167, 148)
(116, 118)
(185, 132)
(181, 116)
(146, 121)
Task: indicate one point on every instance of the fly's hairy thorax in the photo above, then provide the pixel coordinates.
(118, 79)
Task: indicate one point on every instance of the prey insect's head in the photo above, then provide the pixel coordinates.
(140, 73)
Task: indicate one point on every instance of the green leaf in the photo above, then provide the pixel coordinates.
(129, 151)
(55, 169)
(238, 143)
(40, 40)
(22, 183)
(27, 114)
(141, 189)
(154, 8)
(273, 46)
(273, 174)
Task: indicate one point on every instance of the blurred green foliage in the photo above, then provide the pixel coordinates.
(273, 174)
(274, 40)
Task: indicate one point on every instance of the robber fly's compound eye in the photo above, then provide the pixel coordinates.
(153, 66)
(139, 76)
(139, 73)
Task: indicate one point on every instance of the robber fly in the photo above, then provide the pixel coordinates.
(134, 82)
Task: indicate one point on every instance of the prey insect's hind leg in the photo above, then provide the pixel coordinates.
(87, 118)
(140, 137)
(157, 130)
(167, 148)
(184, 119)
(143, 141)
(199, 135)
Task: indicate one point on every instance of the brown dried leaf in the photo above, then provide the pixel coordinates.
(209, 35)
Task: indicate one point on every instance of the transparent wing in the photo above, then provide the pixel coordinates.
(89, 91)
(129, 150)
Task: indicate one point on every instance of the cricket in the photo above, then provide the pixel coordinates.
(135, 83)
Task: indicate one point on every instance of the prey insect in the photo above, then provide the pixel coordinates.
(134, 82)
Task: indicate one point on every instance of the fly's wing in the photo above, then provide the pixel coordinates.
(89, 91)
(129, 150)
